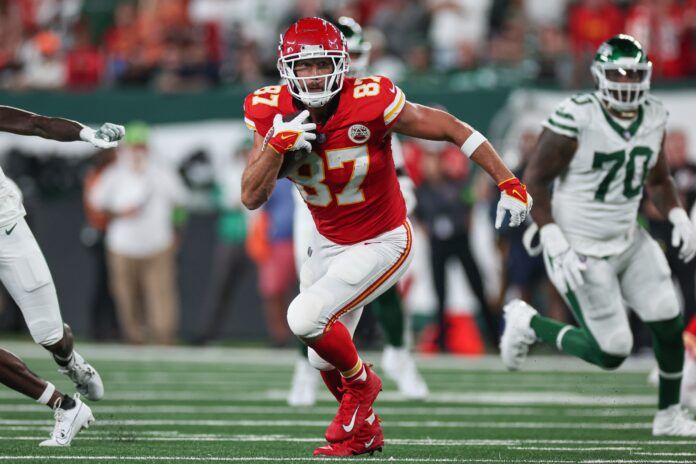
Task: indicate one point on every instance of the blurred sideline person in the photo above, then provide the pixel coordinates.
(445, 209)
(348, 179)
(140, 198)
(688, 387)
(230, 258)
(397, 362)
(102, 308)
(25, 274)
(277, 278)
(600, 149)
(523, 273)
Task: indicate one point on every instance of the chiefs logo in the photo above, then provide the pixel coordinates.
(358, 133)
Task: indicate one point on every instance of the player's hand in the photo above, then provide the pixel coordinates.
(107, 136)
(565, 265)
(515, 200)
(292, 135)
(683, 234)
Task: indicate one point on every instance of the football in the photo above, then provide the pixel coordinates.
(292, 159)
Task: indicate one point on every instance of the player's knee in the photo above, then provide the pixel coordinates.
(303, 315)
(46, 334)
(616, 348)
(318, 362)
(610, 361)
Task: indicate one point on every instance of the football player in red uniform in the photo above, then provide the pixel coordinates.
(349, 183)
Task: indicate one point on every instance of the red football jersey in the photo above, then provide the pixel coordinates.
(349, 180)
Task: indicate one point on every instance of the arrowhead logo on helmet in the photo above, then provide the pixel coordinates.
(311, 39)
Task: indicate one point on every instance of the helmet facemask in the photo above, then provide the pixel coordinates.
(623, 86)
(298, 86)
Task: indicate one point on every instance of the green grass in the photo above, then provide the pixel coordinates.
(227, 405)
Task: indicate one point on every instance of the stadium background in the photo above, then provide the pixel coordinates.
(184, 67)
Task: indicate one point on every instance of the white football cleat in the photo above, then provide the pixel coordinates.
(518, 336)
(399, 366)
(69, 422)
(688, 385)
(305, 381)
(86, 379)
(675, 421)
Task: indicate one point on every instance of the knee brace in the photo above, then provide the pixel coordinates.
(304, 316)
(318, 362)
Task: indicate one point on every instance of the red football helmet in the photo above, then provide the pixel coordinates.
(311, 38)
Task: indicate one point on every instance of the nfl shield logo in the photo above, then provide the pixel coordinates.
(358, 133)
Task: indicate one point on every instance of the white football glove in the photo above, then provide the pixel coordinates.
(565, 265)
(292, 135)
(107, 136)
(683, 233)
(515, 200)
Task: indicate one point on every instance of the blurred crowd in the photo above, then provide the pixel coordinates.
(188, 45)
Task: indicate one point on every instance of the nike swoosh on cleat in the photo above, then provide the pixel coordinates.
(369, 443)
(351, 424)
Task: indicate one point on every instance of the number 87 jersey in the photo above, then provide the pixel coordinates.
(595, 202)
(348, 181)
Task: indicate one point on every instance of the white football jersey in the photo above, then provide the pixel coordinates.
(11, 207)
(595, 202)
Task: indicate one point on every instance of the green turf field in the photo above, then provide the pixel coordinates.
(227, 405)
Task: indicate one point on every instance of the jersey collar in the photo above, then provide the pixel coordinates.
(625, 133)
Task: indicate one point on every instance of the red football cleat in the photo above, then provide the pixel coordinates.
(369, 439)
(356, 406)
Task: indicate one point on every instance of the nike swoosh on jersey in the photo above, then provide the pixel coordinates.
(9, 231)
(369, 443)
(351, 424)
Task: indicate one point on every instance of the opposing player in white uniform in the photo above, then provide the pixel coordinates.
(600, 149)
(397, 361)
(25, 274)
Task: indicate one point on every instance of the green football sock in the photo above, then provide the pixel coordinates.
(574, 341)
(669, 352)
(390, 314)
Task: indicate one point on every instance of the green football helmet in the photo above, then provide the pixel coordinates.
(621, 70)
(357, 47)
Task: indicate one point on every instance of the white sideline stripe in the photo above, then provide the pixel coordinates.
(175, 436)
(329, 459)
(287, 357)
(391, 424)
(321, 410)
(489, 397)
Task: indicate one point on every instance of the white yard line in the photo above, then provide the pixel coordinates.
(287, 357)
(488, 397)
(162, 436)
(322, 423)
(322, 410)
(369, 459)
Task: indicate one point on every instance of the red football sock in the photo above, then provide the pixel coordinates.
(690, 338)
(336, 347)
(691, 328)
(333, 382)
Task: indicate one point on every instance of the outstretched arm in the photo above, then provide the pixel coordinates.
(23, 122)
(428, 123)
